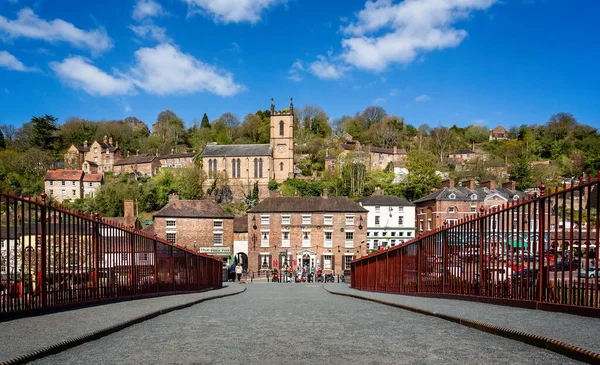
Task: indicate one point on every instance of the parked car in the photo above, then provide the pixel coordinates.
(564, 266)
(591, 272)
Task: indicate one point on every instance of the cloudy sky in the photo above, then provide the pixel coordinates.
(443, 62)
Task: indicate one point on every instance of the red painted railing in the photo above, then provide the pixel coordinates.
(53, 257)
(537, 252)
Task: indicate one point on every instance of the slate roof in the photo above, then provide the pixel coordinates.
(463, 152)
(81, 148)
(63, 175)
(385, 200)
(92, 177)
(177, 155)
(465, 194)
(308, 204)
(136, 159)
(236, 150)
(389, 151)
(104, 146)
(240, 224)
(204, 208)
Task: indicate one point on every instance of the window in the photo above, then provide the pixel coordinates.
(265, 262)
(328, 239)
(400, 234)
(218, 239)
(421, 225)
(393, 242)
(63, 183)
(63, 192)
(306, 219)
(347, 261)
(264, 239)
(96, 159)
(171, 223)
(473, 209)
(377, 209)
(107, 159)
(95, 150)
(327, 261)
(255, 168)
(452, 196)
(400, 221)
(349, 239)
(91, 185)
(73, 192)
(281, 125)
(401, 209)
(51, 191)
(452, 209)
(429, 224)
(452, 221)
(73, 183)
(474, 196)
(394, 234)
(305, 239)
(172, 237)
(349, 220)
(376, 220)
(375, 234)
(376, 243)
(281, 166)
(124, 257)
(217, 224)
(285, 219)
(328, 221)
(51, 183)
(264, 220)
(260, 168)
(285, 239)
(233, 168)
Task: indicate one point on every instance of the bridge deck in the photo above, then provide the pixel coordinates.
(292, 324)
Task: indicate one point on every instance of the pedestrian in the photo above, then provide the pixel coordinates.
(238, 272)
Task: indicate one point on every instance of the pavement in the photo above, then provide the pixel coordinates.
(579, 331)
(298, 324)
(24, 336)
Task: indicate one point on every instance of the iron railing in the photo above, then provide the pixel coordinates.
(538, 252)
(53, 257)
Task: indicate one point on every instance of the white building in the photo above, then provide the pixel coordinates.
(391, 220)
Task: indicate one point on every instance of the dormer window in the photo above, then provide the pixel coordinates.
(516, 197)
(452, 196)
(474, 196)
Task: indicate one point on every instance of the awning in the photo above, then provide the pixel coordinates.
(517, 244)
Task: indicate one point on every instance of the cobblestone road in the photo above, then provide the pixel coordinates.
(300, 324)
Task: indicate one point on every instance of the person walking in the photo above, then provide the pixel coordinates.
(238, 272)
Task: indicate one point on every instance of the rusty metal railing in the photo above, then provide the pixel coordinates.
(53, 257)
(537, 252)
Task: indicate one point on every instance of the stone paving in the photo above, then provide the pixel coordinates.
(21, 336)
(274, 323)
(575, 330)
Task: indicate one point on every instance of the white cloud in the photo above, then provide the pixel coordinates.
(150, 31)
(126, 107)
(324, 69)
(146, 9)
(231, 11)
(10, 62)
(422, 98)
(28, 25)
(295, 71)
(78, 73)
(378, 101)
(479, 122)
(386, 33)
(165, 70)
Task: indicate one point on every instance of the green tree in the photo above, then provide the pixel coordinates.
(205, 123)
(44, 132)
(422, 177)
(520, 172)
(189, 183)
(2, 141)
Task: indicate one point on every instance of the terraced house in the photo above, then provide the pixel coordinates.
(313, 232)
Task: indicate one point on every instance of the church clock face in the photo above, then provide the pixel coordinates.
(281, 148)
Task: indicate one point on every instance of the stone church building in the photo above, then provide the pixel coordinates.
(245, 164)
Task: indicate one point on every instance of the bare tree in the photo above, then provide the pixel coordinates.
(373, 114)
(230, 121)
(443, 140)
(422, 133)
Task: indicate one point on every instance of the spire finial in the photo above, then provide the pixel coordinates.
(292, 106)
(272, 106)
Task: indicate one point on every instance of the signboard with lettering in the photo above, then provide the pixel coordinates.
(215, 250)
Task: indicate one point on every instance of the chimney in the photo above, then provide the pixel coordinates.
(468, 184)
(448, 184)
(172, 150)
(129, 213)
(395, 150)
(490, 184)
(85, 143)
(137, 152)
(378, 191)
(173, 197)
(324, 195)
(105, 139)
(110, 141)
(274, 194)
(510, 185)
(116, 144)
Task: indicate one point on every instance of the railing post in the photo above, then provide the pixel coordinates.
(155, 263)
(419, 264)
(43, 249)
(172, 267)
(96, 243)
(480, 228)
(132, 238)
(187, 276)
(542, 216)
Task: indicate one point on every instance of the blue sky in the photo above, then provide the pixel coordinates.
(488, 62)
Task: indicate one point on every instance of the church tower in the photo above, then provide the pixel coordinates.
(282, 143)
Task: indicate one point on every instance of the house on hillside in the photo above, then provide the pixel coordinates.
(498, 133)
(139, 164)
(97, 157)
(177, 160)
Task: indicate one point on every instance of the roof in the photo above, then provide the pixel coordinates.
(385, 200)
(104, 146)
(136, 159)
(308, 204)
(93, 177)
(149, 229)
(204, 208)
(463, 151)
(499, 129)
(81, 148)
(237, 150)
(347, 146)
(466, 194)
(121, 221)
(177, 155)
(92, 163)
(64, 175)
(240, 224)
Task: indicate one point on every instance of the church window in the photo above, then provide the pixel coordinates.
(215, 167)
(255, 168)
(233, 168)
(281, 166)
(239, 163)
(281, 124)
(260, 168)
(210, 168)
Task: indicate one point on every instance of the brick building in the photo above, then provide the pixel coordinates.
(325, 232)
(98, 157)
(498, 133)
(371, 157)
(68, 185)
(139, 165)
(200, 225)
(177, 160)
(240, 240)
(451, 203)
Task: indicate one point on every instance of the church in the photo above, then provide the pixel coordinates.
(245, 164)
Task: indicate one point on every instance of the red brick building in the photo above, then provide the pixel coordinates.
(139, 165)
(311, 232)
